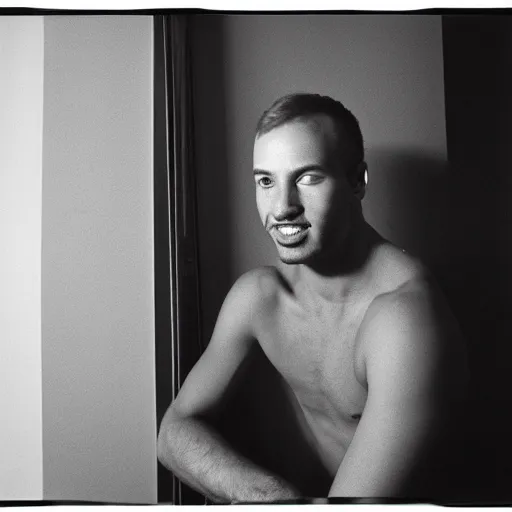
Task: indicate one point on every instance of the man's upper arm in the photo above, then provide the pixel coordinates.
(230, 343)
(413, 379)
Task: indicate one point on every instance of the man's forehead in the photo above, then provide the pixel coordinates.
(313, 136)
(317, 124)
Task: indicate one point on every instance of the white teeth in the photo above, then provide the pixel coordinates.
(289, 230)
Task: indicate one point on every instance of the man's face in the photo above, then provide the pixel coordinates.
(302, 193)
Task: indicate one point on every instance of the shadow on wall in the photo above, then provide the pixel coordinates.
(420, 204)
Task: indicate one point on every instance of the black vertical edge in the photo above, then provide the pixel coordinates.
(194, 182)
(189, 320)
(163, 359)
(475, 62)
(188, 278)
(173, 194)
(173, 217)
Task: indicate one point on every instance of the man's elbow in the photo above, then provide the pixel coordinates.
(161, 446)
(167, 437)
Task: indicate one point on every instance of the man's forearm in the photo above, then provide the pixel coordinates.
(200, 457)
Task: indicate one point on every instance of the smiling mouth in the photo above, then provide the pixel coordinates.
(290, 234)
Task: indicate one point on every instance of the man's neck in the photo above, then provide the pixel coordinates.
(345, 277)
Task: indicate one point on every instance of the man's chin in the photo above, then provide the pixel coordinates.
(290, 261)
(292, 256)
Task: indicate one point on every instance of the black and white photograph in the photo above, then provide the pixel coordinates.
(255, 257)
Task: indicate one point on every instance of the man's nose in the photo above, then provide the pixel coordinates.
(287, 205)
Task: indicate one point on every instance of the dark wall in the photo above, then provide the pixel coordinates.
(478, 85)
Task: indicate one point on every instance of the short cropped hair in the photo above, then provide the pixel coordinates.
(301, 106)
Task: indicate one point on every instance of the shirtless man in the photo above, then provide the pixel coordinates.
(355, 326)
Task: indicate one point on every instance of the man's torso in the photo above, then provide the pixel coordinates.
(316, 347)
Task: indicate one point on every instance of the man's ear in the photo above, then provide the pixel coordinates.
(361, 180)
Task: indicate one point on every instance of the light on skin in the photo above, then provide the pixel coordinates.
(306, 202)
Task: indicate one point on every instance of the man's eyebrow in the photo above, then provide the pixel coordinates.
(299, 170)
(262, 171)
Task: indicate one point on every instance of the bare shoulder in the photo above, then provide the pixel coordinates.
(415, 305)
(395, 267)
(413, 324)
(262, 281)
(257, 289)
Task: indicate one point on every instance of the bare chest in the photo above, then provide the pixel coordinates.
(316, 352)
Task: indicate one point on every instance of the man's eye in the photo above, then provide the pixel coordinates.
(310, 179)
(265, 182)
